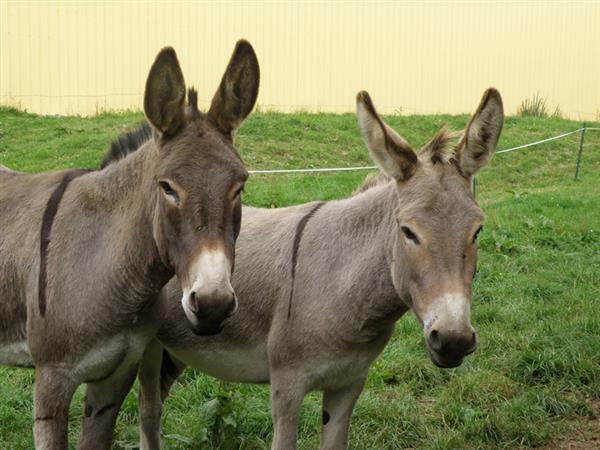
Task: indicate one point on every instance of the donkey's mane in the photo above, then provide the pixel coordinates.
(439, 150)
(129, 142)
(441, 147)
(371, 180)
(126, 144)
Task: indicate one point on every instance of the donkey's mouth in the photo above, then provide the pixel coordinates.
(206, 329)
(446, 361)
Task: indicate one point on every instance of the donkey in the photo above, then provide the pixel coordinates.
(84, 255)
(321, 285)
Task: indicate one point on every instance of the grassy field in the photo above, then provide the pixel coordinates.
(536, 374)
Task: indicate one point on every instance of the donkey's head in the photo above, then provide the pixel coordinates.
(434, 254)
(198, 180)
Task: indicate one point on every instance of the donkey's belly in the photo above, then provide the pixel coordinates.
(15, 354)
(240, 364)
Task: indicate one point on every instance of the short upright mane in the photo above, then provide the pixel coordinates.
(371, 180)
(132, 140)
(441, 148)
(126, 144)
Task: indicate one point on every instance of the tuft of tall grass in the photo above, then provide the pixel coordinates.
(535, 106)
(557, 114)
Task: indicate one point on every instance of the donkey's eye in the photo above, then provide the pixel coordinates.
(238, 192)
(477, 233)
(410, 235)
(169, 191)
(166, 187)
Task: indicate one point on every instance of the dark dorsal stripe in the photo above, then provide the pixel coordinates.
(299, 230)
(47, 220)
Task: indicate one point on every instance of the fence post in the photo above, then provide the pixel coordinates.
(580, 151)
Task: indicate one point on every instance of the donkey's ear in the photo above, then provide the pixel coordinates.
(390, 152)
(238, 90)
(165, 94)
(481, 135)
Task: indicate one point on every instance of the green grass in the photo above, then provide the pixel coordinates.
(536, 299)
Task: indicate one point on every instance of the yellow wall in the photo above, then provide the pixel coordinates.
(82, 57)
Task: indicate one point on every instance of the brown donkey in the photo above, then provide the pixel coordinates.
(321, 285)
(84, 255)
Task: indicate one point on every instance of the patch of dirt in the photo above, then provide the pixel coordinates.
(587, 436)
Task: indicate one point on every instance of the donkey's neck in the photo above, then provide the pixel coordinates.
(124, 196)
(363, 233)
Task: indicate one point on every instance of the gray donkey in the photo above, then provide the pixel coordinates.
(321, 285)
(84, 255)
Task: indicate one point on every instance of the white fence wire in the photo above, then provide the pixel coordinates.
(349, 169)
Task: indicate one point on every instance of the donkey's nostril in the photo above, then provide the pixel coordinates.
(434, 340)
(231, 307)
(193, 302)
(473, 345)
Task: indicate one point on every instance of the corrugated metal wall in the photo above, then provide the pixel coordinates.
(83, 57)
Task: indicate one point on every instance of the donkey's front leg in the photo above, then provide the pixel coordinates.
(286, 398)
(103, 401)
(149, 399)
(158, 371)
(54, 389)
(337, 410)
